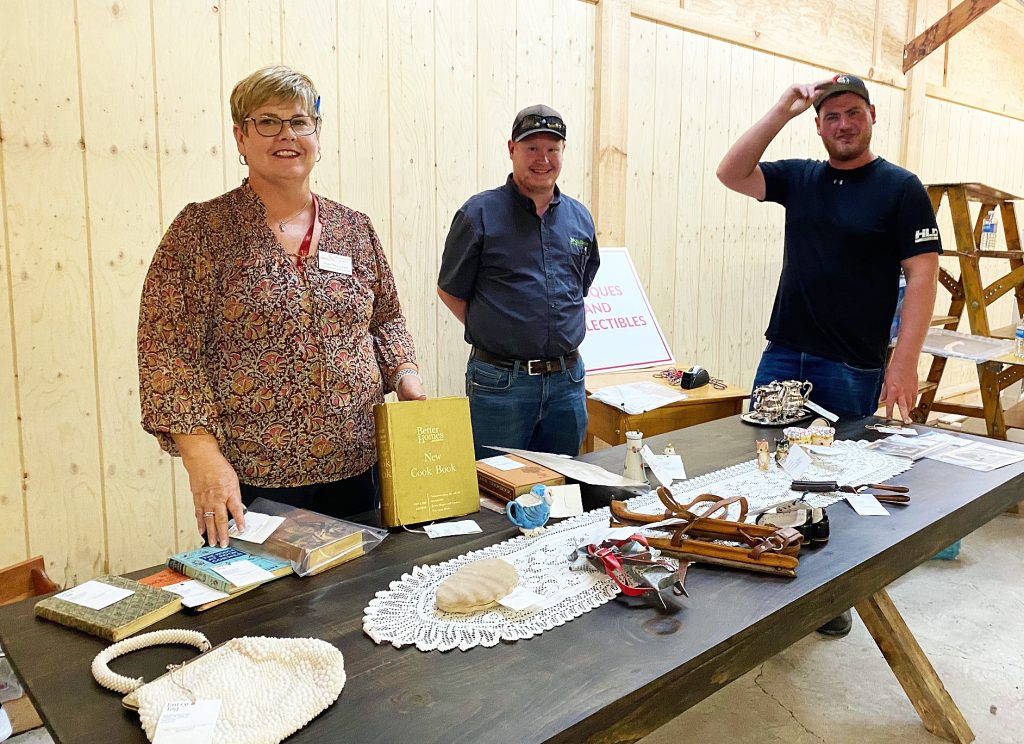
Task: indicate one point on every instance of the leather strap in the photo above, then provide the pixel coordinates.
(530, 366)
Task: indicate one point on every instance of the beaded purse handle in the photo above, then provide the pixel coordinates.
(124, 685)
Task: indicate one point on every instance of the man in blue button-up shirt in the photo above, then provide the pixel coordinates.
(518, 261)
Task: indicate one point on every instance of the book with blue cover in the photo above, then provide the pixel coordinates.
(199, 564)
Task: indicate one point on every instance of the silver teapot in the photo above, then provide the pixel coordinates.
(794, 396)
(768, 401)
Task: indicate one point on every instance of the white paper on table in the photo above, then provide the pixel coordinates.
(866, 505)
(979, 456)
(638, 397)
(521, 598)
(450, 529)
(905, 431)
(258, 527)
(566, 501)
(796, 462)
(183, 722)
(243, 573)
(584, 472)
(502, 463)
(94, 594)
(194, 593)
(666, 468)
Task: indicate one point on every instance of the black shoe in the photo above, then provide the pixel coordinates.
(838, 626)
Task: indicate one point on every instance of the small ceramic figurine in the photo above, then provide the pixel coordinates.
(781, 450)
(530, 511)
(764, 458)
(669, 449)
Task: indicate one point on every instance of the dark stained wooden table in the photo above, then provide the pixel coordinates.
(614, 674)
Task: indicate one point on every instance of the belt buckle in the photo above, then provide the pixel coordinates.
(529, 367)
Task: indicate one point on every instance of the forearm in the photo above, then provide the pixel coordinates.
(456, 305)
(740, 162)
(196, 448)
(915, 319)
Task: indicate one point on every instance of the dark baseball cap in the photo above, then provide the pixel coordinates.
(841, 83)
(534, 119)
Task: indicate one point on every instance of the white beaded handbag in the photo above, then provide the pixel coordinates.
(269, 688)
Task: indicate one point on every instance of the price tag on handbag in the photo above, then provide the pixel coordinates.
(182, 722)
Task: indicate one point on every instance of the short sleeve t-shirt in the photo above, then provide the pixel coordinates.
(846, 233)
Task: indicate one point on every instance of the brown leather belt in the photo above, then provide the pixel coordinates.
(530, 366)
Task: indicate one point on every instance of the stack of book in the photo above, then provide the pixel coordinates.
(497, 477)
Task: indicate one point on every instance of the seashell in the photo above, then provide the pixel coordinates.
(477, 586)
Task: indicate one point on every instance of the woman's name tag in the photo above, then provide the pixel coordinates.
(334, 262)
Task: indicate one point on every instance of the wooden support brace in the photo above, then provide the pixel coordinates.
(913, 670)
(943, 30)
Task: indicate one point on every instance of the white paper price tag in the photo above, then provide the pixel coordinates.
(821, 411)
(182, 722)
(521, 598)
(450, 529)
(567, 501)
(866, 505)
(797, 462)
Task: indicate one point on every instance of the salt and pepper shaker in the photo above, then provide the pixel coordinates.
(634, 467)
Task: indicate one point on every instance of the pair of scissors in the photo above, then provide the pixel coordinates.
(887, 424)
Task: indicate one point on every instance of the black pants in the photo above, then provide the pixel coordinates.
(343, 498)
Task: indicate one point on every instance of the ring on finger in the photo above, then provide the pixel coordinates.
(209, 514)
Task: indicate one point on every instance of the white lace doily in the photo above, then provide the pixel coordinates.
(404, 614)
(848, 463)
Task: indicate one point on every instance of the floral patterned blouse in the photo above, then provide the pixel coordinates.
(282, 363)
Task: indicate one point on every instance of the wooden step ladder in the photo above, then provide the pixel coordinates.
(968, 293)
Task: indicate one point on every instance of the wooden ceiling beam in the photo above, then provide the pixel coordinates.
(943, 30)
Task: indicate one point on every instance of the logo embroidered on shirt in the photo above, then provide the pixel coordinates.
(926, 234)
(583, 245)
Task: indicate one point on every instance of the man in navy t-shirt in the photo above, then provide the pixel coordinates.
(852, 223)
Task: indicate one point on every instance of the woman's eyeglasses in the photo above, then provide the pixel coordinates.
(271, 126)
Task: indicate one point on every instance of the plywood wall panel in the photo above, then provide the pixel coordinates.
(362, 128)
(667, 113)
(496, 90)
(50, 292)
(250, 38)
(121, 167)
(309, 32)
(535, 74)
(984, 58)
(13, 536)
(411, 68)
(569, 93)
(455, 173)
(640, 144)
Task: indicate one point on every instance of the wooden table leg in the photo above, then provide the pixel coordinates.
(913, 670)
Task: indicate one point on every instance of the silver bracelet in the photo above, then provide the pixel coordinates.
(403, 373)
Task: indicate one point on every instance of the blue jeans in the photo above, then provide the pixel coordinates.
(510, 408)
(839, 387)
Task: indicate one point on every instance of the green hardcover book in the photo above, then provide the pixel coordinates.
(199, 564)
(115, 621)
(427, 470)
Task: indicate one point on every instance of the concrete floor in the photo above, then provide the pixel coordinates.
(968, 616)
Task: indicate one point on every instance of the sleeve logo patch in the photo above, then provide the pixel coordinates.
(926, 235)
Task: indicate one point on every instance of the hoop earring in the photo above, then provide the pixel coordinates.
(319, 154)
(242, 160)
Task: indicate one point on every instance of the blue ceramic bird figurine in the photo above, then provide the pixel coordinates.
(530, 511)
